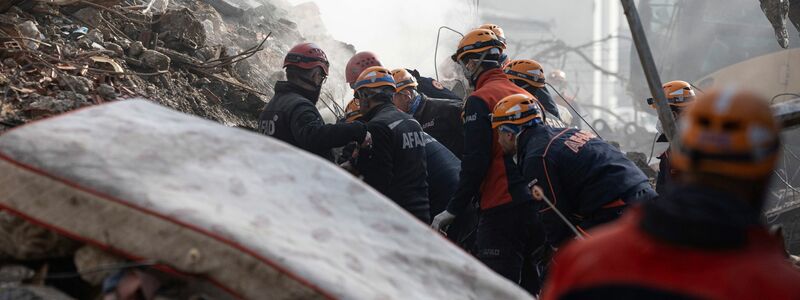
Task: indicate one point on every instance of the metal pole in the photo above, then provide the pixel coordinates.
(649, 66)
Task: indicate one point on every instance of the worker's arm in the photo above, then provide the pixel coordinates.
(542, 172)
(517, 185)
(376, 164)
(477, 153)
(312, 134)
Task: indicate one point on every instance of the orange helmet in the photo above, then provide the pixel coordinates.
(374, 77)
(477, 41)
(403, 79)
(358, 63)
(679, 94)
(517, 109)
(529, 71)
(728, 132)
(353, 111)
(497, 30)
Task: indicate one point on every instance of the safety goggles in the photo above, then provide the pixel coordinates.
(404, 83)
(374, 80)
(478, 45)
(533, 75)
(297, 58)
(369, 93)
(674, 101)
(509, 128)
(533, 110)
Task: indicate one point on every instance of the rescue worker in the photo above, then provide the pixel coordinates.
(506, 216)
(529, 75)
(679, 96)
(292, 116)
(443, 167)
(589, 181)
(704, 239)
(441, 118)
(395, 165)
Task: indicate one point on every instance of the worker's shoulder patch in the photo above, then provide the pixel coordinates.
(438, 85)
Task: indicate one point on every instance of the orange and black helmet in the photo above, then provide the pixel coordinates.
(728, 132)
(477, 41)
(501, 35)
(526, 70)
(352, 111)
(374, 77)
(517, 109)
(679, 94)
(403, 79)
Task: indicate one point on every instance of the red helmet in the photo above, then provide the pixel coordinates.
(307, 56)
(358, 63)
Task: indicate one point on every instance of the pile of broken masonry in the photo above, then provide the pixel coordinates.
(216, 59)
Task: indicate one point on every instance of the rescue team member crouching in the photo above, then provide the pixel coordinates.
(292, 116)
(395, 164)
(507, 218)
(529, 75)
(589, 181)
(442, 166)
(441, 118)
(679, 96)
(704, 239)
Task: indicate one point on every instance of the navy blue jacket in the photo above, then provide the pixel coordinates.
(432, 88)
(396, 163)
(443, 168)
(543, 95)
(578, 172)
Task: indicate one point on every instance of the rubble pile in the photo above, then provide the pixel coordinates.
(217, 59)
(211, 58)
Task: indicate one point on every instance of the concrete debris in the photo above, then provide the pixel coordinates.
(62, 55)
(154, 60)
(136, 48)
(181, 30)
(107, 92)
(28, 29)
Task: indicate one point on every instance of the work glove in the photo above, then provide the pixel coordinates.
(367, 143)
(442, 221)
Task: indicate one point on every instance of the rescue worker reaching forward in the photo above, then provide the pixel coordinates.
(679, 96)
(503, 226)
(292, 116)
(441, 118)
(395, 165)
(588, 180)
(441, 164)
(529, 75)
(704, 239)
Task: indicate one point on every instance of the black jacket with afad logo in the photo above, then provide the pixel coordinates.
(580, 173)
(441, 118)
(396, 163)
(291, 116)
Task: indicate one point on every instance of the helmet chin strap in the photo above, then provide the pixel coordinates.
(474, 75)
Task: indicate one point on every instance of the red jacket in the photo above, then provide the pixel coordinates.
(621, 261)
(482, 165)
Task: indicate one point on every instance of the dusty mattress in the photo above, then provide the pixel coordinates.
(252, 215)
